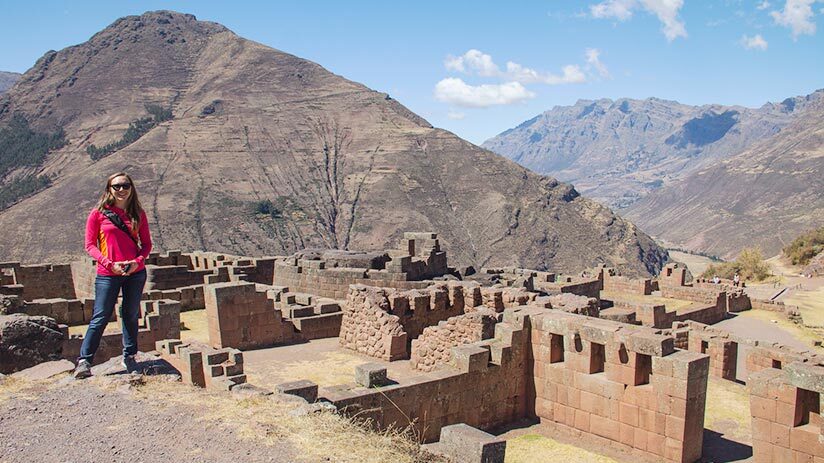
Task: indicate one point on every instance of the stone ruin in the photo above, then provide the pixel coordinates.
(582, 354)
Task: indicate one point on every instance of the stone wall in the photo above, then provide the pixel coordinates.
(242, 317)
(572, 303)
(190, 297)
(171, 277)
(787, 424)
(672, 275)
(369, 325)
(621, 284)
(161, 320)
(381, 322)
(203, 366)
(484, 386)
(721, 347)
(45, 281)
(84, 272)
(626, 385)
(733, 301)
(433, 348)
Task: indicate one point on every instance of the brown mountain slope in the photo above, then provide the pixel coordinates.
(342, 165)
(764, 196)
(7, 79)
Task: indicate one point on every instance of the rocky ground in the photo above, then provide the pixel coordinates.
(147, 418)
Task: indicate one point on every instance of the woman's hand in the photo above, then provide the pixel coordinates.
(117, 267)
(120, 268)
(132, 264)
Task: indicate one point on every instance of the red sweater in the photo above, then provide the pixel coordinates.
(108, 244)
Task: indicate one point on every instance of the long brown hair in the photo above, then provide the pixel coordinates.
(133, 208)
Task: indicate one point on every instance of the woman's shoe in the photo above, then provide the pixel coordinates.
(82, 370)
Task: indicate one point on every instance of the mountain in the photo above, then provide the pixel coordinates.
(619, 151)
(237, 147)
(764, 196)
(7, 79)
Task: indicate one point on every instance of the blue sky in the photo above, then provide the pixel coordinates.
(448, 61)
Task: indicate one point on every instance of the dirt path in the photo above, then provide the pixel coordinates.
(80, 421)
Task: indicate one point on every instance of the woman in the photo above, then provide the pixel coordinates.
(117, 237)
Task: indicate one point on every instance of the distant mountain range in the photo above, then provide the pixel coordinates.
(764, 196)
(237, 147)
(620, 151)
(7, 79)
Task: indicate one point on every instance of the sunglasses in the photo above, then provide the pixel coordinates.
(121, 186)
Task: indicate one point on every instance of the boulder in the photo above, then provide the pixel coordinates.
(26, 341)
(11, 304)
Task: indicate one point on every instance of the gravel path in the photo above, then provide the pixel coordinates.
(78, 421)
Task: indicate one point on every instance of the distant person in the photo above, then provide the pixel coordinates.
(736, 280)
(716, 280)
(117, 237)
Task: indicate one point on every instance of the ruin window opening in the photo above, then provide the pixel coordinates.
(776, 364)
(643, 369)
(623, 355)
(596, 357)
(704, 346)
(556, 349)
(807, 403)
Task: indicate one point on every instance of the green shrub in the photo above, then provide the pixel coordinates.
(749, 265)
(267, 207)
(136, 130)
(22, 188)
(805, 247)
(21, 146)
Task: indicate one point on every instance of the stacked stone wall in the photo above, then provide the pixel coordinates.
(172, 277)
(484, 387)
(161, 320)
(242, 317)
(370, 327)
(433, 348)
(44, 281)
(190, 297)
(620, 284)
(203, 366)
(84, 272)
(626, 385)
(787, 424)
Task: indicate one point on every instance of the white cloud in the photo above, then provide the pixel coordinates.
(570, 74)
(593, 60)
(473, 61)
(455, 115)
(753, 43)
(476, 62)
(797, 15)
(456, 91)
(618, 9)
(763, 5)
(665, 10)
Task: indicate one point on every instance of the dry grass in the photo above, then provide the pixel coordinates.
(14, 388)
(323, 436)
(671, 304)
(728, 409)
(194, 326)
(112, 327)
(326, 369)
(534, 448)
(810, 304)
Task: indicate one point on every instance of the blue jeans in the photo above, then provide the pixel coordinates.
(106, 290)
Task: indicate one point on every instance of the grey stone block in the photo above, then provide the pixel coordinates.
(303, 388)
(370, 375)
